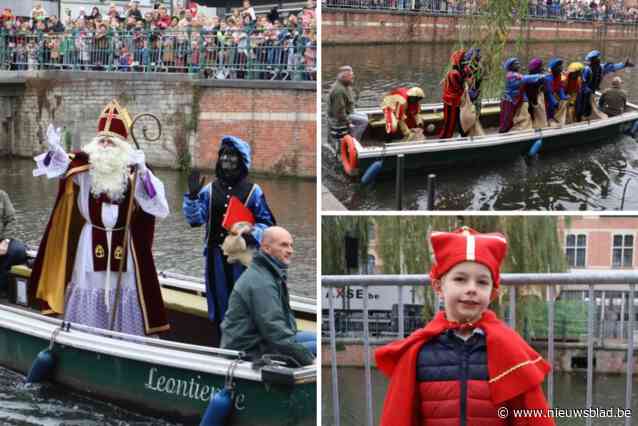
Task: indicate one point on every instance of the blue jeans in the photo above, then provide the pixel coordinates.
(308, 339)
(16, 254)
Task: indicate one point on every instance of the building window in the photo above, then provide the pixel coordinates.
(575, 249)
(623, 251)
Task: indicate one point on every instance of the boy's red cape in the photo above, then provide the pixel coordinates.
(515, 370)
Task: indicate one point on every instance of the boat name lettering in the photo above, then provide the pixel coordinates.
(192, 388)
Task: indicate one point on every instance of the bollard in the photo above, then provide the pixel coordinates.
(431, 190)
(399, 183)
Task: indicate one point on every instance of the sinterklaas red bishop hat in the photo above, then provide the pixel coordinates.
(114, 121)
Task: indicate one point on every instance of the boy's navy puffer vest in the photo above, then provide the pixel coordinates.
(453, 382)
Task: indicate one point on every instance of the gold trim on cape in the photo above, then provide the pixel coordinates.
(516, 367)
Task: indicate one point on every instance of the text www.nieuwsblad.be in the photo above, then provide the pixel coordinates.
(594, 412)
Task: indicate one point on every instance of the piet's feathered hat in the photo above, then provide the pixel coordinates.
(114, 121)
(467, 245)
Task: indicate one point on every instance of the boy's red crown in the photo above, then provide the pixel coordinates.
(466, 244)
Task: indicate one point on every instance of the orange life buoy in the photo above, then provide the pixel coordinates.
(349, 158)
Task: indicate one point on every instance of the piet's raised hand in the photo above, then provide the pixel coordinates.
(195, 183)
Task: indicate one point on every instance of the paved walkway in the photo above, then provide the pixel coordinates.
(329, 202)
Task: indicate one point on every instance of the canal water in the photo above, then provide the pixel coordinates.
(569, 392)
(582, 178)
(177, 247)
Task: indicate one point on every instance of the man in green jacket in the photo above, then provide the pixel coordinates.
(259, 319)
(342, 119)
(12, 252)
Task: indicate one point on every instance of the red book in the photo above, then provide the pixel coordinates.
(236, 212)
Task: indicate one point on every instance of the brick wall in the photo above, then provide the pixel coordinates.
(276, 118)
(279, 125)
(352, 27)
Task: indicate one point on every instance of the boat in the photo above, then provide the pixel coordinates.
(431, 153)
(164, 377)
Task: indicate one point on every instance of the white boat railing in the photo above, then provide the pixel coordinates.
(551, 280)
(145, 349)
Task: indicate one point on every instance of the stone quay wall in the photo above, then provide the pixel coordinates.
(276, 118)
(348, 26)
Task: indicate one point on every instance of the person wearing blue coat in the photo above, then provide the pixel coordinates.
(595, 71)
(593, 75)
(206, 205)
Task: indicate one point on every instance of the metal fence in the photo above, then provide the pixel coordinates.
(251, 58)
(459, 8)
(550, 280)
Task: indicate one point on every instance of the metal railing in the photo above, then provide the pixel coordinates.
(204, 54)
(589, 279)
(460, 8)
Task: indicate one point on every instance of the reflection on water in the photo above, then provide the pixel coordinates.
(45, 405)
(583, 178)
(177, 246)
(569, 392)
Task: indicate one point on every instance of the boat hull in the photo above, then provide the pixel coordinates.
(161, 390)
(426, 155)
(425, 162)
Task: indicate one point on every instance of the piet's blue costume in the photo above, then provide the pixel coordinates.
(209, 209)
(595, 71)
(513, 96)
(593, 74)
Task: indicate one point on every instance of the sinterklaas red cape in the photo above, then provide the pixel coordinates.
(516, 372)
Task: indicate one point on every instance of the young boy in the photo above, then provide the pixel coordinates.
(465, 366)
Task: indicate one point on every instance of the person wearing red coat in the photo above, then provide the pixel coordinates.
(452, 94)
(465, 366)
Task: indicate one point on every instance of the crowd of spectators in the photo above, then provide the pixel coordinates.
(241, 45)
(602, 10)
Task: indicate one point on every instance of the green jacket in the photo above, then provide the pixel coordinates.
(259, 319)
(340, 104)
(7, 216)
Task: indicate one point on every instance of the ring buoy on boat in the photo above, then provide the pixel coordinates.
(349, 158)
